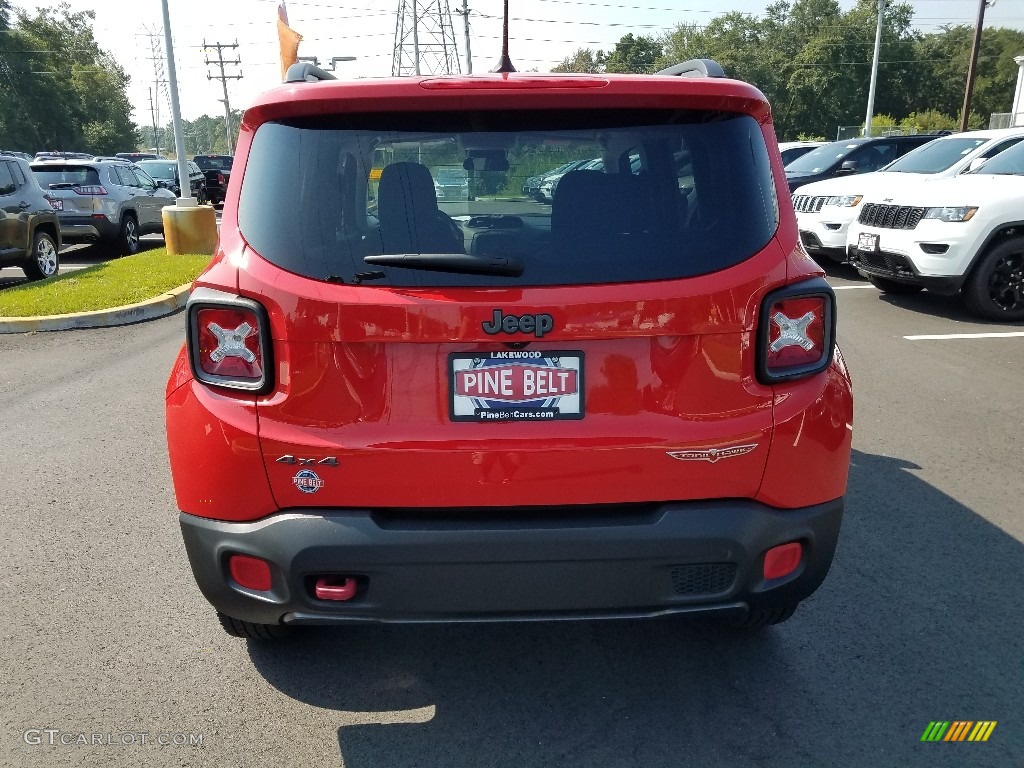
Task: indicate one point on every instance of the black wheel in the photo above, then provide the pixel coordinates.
(202, 198)
(44, 261)
(893, 286)
(128, 237)
(995, 289)
(239, 628)
(759, 618)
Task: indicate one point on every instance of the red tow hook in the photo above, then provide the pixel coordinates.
(335, 588)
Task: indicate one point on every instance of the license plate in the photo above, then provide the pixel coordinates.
(867, 242)
(515, 385)
(57, 205)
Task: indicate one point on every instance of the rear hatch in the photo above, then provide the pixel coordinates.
(74, 190)
(497, 351)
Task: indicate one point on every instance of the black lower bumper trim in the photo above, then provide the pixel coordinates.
(582, 566)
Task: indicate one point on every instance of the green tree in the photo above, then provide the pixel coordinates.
(59, 89)
(584, 60)
(633, 54)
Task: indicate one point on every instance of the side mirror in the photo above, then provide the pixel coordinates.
(976, 163)
(848, 166)
(163, 184)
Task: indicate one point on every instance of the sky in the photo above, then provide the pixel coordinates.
(542, 33)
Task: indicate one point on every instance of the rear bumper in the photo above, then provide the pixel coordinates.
(78, 229)
(675, 558)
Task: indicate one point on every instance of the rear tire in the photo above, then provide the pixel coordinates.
(893, 286)
(128, 238)
(43, 261)
(248, 630)
(995, 289)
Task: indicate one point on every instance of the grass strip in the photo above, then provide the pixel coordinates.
(115, 283)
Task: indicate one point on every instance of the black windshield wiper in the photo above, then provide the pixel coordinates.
(461, 263)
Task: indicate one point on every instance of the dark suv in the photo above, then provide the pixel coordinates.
(841, 158)
(29, 229)
(392, 407)
(217, 169)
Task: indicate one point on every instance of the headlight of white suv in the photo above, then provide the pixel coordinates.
(952, 213)
(845, 201)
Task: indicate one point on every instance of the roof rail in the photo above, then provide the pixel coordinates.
(306, 72)
(695, 68)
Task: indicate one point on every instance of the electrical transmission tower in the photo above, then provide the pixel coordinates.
(424, 40)
(221, 62)
(159, 83)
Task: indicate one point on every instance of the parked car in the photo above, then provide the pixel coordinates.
(791, 150)
(136, 156)
(841, 158)
(962, 234)
(58, 155)
(628, 406)
(217, 169)
(16, 153)
(29, 229)
(110, 202)
(166, 174)
(825, 209)
(451, 184)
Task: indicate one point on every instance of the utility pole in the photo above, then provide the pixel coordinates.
(464, 13)
(221, 62)
(971, 69)
(874, 70)
(185, 198)
(424, 39)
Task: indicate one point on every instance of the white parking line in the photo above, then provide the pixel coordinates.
(943, 336)
(851, 287)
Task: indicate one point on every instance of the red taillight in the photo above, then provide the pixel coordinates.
(782, 560)
(229, 342)
(797, 331)
(89, 189)
(220, 178)
(250, 572)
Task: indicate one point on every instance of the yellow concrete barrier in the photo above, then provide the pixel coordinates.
(190, 229)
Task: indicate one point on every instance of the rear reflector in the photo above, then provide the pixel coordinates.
(250, 572)
(796, 336)
(782, 560)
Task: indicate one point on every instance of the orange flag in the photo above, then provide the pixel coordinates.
(289, 40)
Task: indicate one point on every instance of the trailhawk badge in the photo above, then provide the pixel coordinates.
(515, 385)
(713, 454)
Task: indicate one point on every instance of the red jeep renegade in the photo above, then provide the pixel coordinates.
(402, 401)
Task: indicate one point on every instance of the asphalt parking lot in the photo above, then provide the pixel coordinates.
(106, 636)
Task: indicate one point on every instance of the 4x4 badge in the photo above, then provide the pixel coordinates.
(330, 461)
(538, 325)
(713, 454)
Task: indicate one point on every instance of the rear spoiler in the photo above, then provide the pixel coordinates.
(691, 68)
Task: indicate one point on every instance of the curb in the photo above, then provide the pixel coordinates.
(164, 304)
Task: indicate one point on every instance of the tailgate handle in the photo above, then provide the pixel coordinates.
(328, 588)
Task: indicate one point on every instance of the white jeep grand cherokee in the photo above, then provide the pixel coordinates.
(962, 234)
(825, 209)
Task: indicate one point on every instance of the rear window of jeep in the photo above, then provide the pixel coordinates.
(668, 194)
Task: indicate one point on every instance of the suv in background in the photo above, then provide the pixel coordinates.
(29, 229)
(825, 209)
(394, 408)
(108, 201)
(166, 174)
(842, 158)
(962, 234)
(791, 150)
(217, 169)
